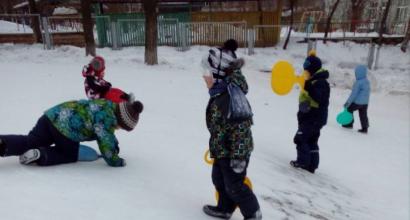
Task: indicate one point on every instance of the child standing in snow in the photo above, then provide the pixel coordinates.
(312, 114)
(231, 141)
(359, 98)
(95, 85)
(56, 137)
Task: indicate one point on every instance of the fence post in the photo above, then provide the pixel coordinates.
(376, 64)
(47, 37)
(370, 56)
(182, 40)
(251, 40)
(311, 45)
(114, 36)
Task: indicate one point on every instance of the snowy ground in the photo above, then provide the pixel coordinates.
(363, 177)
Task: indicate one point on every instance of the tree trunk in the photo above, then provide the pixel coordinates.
(383, 22)
(6, 7)
(292, 5)
(357, 9)
(150, 10)
(329, 20)
(261, 22)
(406, 39)
(35, 24)
(88, 27)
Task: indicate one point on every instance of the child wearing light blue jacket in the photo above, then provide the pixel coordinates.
(359, 98)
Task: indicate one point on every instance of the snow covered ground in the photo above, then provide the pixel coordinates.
(360, 177)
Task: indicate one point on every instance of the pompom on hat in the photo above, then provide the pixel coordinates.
(127, 114)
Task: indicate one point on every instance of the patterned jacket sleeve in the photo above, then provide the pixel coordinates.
(98, 86)
(108, 145)
(239, 79)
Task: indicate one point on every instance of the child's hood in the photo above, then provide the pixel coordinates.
(360, 72)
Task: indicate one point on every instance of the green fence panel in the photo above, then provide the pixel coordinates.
(131, 28)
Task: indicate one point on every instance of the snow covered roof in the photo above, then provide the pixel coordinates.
(64, 11)
(23, 4)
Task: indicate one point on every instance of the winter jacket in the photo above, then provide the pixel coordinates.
(361, 88)
(96, 88)
(314, 100)
(88, 120)
(229, 139)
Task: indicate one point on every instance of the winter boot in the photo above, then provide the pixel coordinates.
(256, 216)
(295, 164)
(30, 156)
(349, 126)
(216, 212)
(363, 130)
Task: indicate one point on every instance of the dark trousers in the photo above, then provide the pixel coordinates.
(364, 121)
(55, 148)
(232, 190)
(306, 140)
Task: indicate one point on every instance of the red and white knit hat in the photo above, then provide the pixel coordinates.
(98, 65)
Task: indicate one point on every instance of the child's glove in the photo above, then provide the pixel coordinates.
(346, 105)
(87, 71)
(237, 165)
(304, 107)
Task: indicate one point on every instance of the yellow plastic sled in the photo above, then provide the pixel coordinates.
(210, 161)
(283, 78)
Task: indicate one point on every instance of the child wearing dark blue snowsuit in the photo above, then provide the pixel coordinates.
(359, 98)
(312, 114)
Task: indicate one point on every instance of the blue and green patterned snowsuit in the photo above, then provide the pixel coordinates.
(59, 131)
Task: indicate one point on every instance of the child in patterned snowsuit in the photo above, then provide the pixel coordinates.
(56, 137)
(230, 143)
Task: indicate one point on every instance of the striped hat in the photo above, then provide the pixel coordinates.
(127, 114)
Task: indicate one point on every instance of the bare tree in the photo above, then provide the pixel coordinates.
(329, 19)
(5, 7)
(35, 21)
(357, 9)
(383, 21)
(150, 10)
(88, 27)
(292, 6)
(259, 5)
(406, 38)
